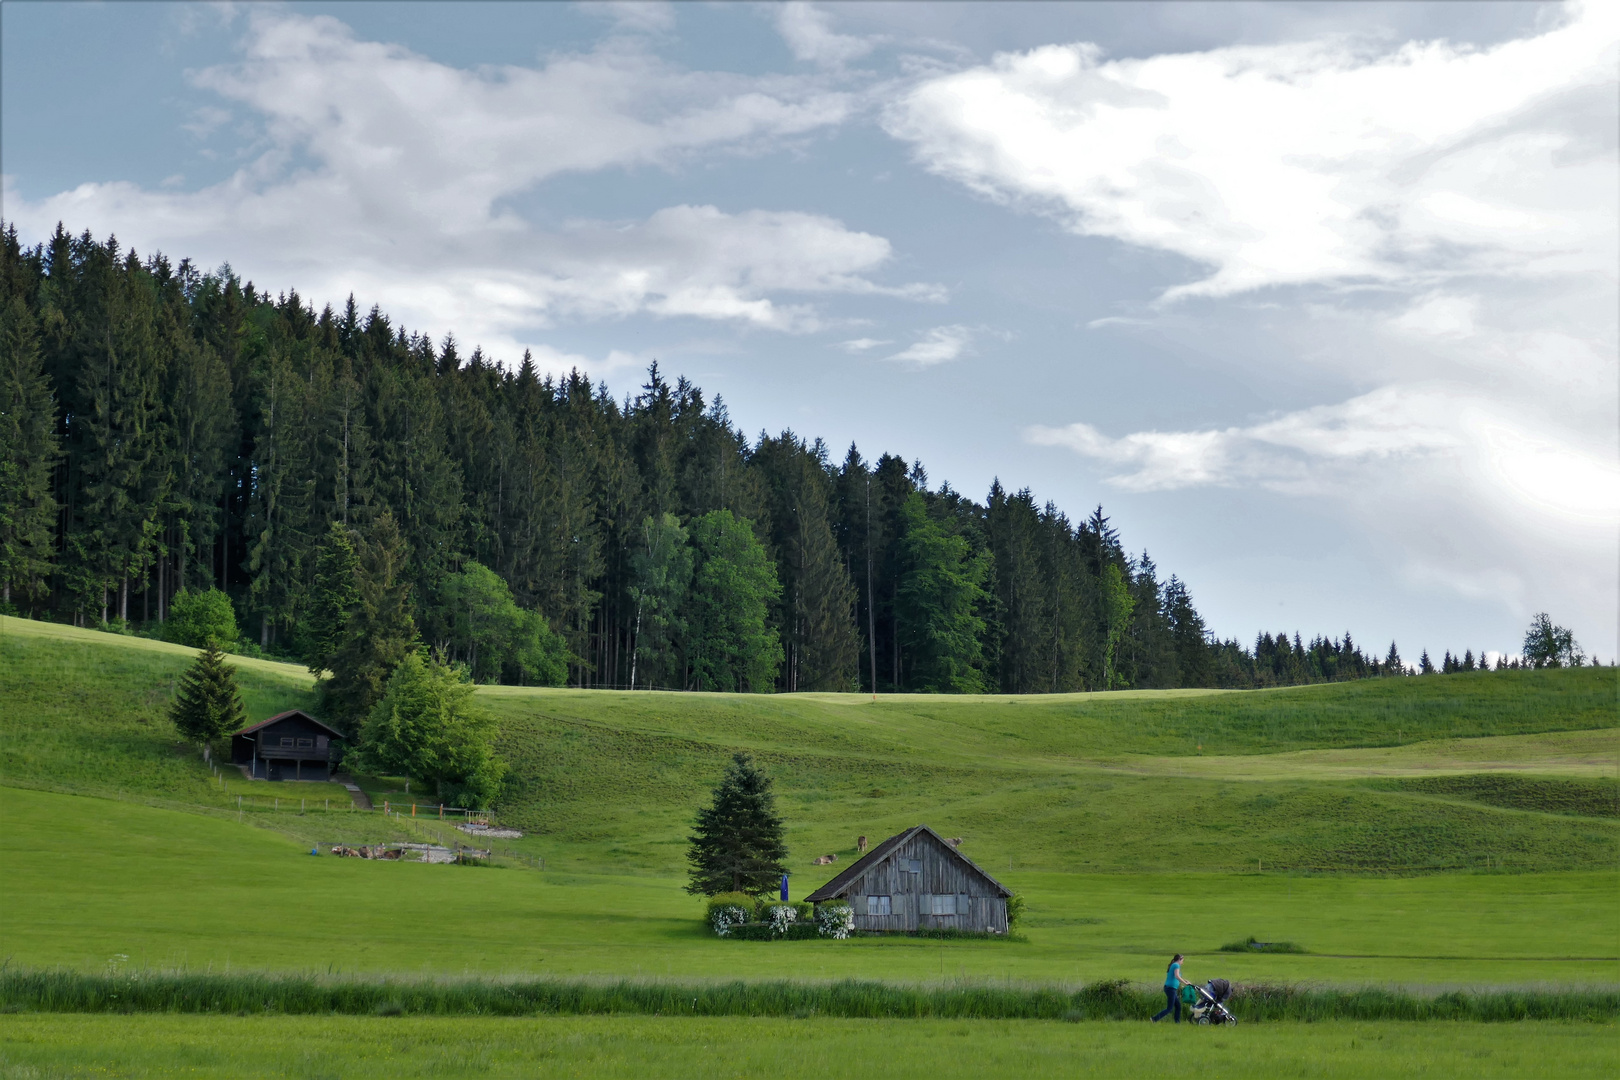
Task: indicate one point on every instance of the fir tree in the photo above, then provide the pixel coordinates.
(208, 705)
(737, 843)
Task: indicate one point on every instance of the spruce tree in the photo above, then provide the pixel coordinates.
(380, 631)
(208, 705)
(737, 844)
(334, 595)
(29, 450)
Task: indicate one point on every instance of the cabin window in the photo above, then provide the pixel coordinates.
(286, 740)
(942, 905)
(911, 866)
(879, 905)
(306, 744)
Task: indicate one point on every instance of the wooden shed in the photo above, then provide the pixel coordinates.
(917, 881)
(289, 746)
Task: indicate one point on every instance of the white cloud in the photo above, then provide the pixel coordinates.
(1275, 165)
(808, 32)
(391, 175)
(1435, 226)
(939, 345)
(865, 344)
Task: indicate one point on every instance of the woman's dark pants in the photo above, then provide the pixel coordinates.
(1172, 1002)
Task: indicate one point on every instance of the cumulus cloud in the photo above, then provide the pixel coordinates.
(808, 32)
(1435, 223)
(938, 346)
(1288, 164)
(392, 176)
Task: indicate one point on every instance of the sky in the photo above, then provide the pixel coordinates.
(1317, 301)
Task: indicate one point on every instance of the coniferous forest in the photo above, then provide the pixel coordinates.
(354, 489)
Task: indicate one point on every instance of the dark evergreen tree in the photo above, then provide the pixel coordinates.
(380, 630)
(208, 705)
(334, 598)
(29, 451)
(737, 844)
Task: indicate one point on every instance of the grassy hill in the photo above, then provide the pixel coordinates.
(1426, 832)
(1384, 775)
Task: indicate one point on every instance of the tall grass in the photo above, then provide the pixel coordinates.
(167, 992)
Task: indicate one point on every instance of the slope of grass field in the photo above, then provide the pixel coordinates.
(91, 880)
(1056, 795)
(241, 1048)
(1150, 780)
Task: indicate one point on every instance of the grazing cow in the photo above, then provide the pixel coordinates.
(860, 844)
(955, 841)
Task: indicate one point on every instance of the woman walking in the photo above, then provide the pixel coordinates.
(1172, 990)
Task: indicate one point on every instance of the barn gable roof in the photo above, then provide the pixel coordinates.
(334, 732)
(839, 885)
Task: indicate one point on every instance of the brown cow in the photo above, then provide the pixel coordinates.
(860, 844)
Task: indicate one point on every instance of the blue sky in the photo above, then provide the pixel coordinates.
(1316, 300)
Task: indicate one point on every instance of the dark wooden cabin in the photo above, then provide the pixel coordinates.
(917, 881)
(289, 746)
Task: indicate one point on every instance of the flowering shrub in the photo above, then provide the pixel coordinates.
(835, 920)
(723, 917)
(778, 917)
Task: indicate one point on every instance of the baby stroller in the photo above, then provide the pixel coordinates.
(1208, 1004)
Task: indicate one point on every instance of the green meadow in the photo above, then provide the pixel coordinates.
(1455, 832)
(356, 1048)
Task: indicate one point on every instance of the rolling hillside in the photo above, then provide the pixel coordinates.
(1340, 777)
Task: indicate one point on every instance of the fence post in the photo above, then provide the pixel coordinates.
(413, 809)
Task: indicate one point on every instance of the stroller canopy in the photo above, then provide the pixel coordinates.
(1220, 989)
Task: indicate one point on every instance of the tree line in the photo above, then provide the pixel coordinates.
(356, 490)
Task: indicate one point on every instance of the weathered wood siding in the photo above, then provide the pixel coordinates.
(939, 873)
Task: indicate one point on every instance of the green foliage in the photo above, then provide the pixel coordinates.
(940, 593)
(162, 992)
(739, 900)
(29, 451)
(490, 633)
(198, 617)
(380, 630)
(730, 647)
(208, 704)
(661, 575)
(737, 845)
(333, 600)
(1015, 910)
(427, 727)
(1549, 645)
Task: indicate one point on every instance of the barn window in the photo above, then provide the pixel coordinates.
(911, 866)
(306, 744)
(879, 905)
(286, 740)
(942, 904)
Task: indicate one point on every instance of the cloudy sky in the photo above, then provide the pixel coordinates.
(1319, 301)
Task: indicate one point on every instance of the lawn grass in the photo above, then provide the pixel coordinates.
(355, 1048)
(88, 880)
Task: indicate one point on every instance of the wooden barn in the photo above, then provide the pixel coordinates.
(917, 881)
(289, 746)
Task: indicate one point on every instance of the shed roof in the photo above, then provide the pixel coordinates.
(287, 716)
(840, 884)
